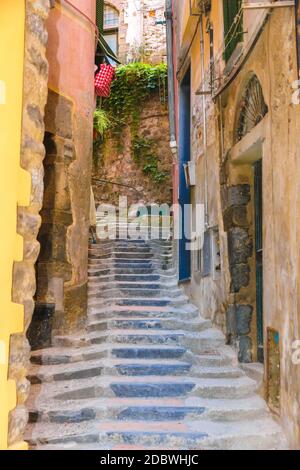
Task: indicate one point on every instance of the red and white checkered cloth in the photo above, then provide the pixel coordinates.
(103, 80)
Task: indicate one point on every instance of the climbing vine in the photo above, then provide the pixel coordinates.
(144, 155)
(134, 84)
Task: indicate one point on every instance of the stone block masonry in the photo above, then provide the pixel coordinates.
(29, 220)
(116, 162)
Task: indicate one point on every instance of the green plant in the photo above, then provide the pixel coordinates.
(101, 121)
(144, 154)
(134, 84)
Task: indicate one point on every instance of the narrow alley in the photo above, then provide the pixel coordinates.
(149, 373)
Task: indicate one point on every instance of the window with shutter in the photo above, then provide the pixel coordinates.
(233, 26)
(100, 14)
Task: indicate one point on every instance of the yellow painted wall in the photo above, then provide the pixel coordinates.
(14, 190)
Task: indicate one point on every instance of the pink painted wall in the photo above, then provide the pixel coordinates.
(71, 52)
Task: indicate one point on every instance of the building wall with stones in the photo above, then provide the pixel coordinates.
(226, 164)
(61, 297)
(24, 102)
(115, 162)
(140, 38)
(52, 176)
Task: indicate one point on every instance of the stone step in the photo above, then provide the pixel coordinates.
(148, 371)
(121, 271)
(151, 324)
(154, 292)
(109, 367)
(143, 409)
(68, 355)
(191, 435)
(95, 278)
(98, 285)
(194, 341)
(87, 369)
(186, 311)
(146, 386)
(119, 247)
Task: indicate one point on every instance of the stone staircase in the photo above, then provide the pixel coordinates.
(148, 373)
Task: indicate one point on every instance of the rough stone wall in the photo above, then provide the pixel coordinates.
(274, 62)
(61, 299)
(139, 37)
(29, 220)
(116, 162)
(154, 35)
(232, 299)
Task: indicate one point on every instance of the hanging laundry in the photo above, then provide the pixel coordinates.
(103, 80)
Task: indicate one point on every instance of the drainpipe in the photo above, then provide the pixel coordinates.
(297, 10)
(171, 78)
(204, 123)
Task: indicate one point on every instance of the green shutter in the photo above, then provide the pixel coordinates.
(100, 15)
(103, 49)
(231, 9)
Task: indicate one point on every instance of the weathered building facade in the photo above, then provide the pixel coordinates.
(46, 102)
(238, 130)
(135, 29)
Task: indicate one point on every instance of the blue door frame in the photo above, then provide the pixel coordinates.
(184, 190)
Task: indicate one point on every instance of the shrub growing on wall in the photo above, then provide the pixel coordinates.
(134, 84)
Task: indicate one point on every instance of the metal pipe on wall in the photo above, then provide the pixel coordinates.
(171, 77)
(297, 17)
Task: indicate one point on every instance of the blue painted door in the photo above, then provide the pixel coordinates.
(184, 191)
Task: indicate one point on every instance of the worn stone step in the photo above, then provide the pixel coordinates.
(148, 324)
(139, 409)
(146, 302)
(191, 435)
(148, 371)
(98, 313)
(149, 386)
(135, 293)
(68, 355)
(166, 284)
(98, 279)
(117, 248)
(149, 352)
(194, 341)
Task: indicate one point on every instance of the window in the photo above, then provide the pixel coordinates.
(108, 25)
(111, 28)
(111, 17)
(233, 26)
